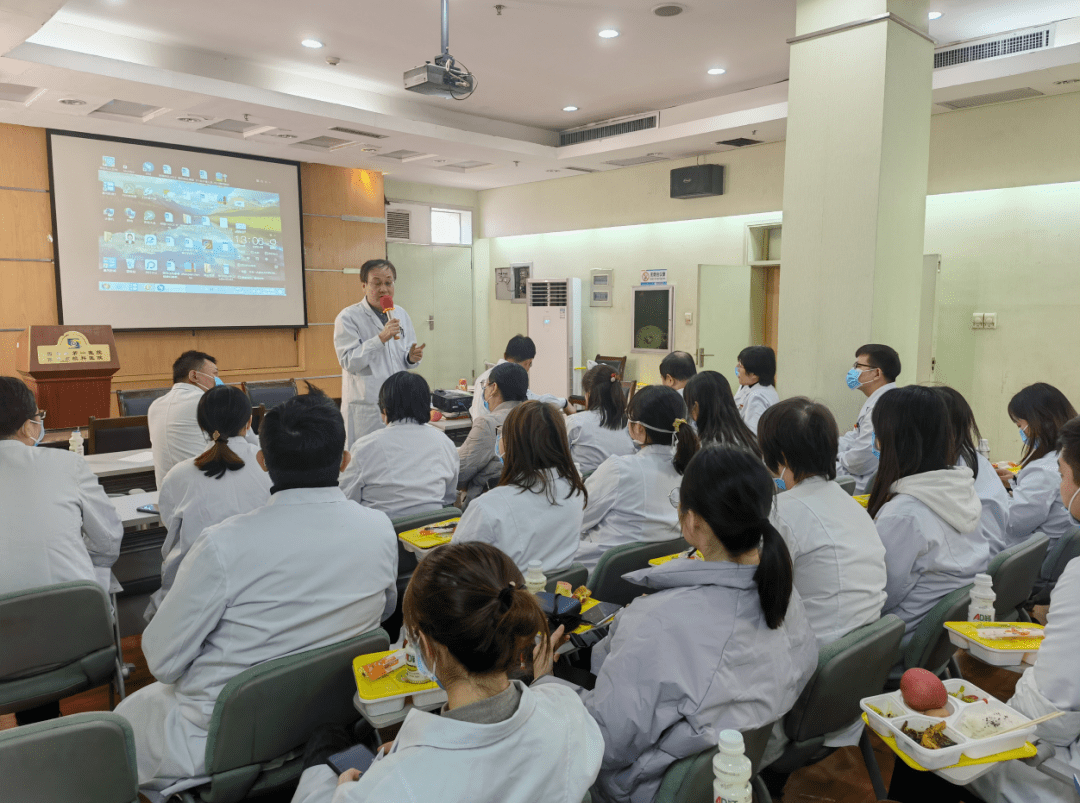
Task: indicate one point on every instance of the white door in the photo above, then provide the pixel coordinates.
(724, 317)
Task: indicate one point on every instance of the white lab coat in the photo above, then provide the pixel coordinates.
(477, 461)
(477, 410)
(366, 362)
(753, 400)
(309, 569)
(855, 457)
(995, 505)
(591, 443)
(403, 469)
(190, 502)
(525, 524)
(175, 434)
(56, 523)
(549, 750)
(1036, 506)
(838, 557)
(628, 502)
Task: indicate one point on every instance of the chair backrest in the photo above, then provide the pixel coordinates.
(137, 402)
(690, 779)
(575, 575)
(617, 364)
(257, 414)
(930, 647)
(273, 708)
(1066, 548)
(847, 483)
(849, 669)
(1015, 571)
(77, 757)
(117, 434)
(269, 393)
(406, 559)
(629, 386)
(606, 582)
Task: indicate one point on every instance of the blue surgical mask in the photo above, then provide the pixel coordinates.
(1023, 435)
(41, 435)
(487, 406)
(852, 378)
(780, 484)
(422, 668)
(217, 379)
(498, 443)
(876, 452)
(736, 370)
(1068, 508)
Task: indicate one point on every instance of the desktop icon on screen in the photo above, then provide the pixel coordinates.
(169, 242)
(106, 236)
(130, 263)
(204, 220)
(208, 245)
(206, 268)
(202, 175)
(130, 213)
(148, 167)
(168, 217)
(170, 265)
(108, 161)
(185, 172)
(217, 176)
(189, 243)
(129, 189)
(108, 186)
(224, 176)
(166, 170)
(147, 192)
(108, 263)
(188, 268)
(129, 238)
(148, 215)
(109, 212)
(225, 269)
(150, 239)
(187, 218)
(224, 222)
(151, 264)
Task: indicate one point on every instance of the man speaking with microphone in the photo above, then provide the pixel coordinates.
(373, 340)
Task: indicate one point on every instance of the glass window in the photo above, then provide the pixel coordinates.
(446, 227)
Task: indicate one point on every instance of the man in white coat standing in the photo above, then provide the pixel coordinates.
(371, 345)
(873, 374)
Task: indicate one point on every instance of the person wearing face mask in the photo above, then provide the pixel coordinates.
(756, 371)
(175, 434)
(873, 374)
(480, 464)
(628, 494)
(521, 350)
(56, 523)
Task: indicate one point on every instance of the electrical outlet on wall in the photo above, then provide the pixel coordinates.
(689, 317)
(989, 320)
(978, 320)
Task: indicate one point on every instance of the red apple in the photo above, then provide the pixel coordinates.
(922, 690)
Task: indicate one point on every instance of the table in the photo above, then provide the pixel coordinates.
(126, 507)
(457, 429)
(116, 464)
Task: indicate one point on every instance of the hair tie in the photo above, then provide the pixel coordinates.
(506, 596)
(678, 423)
(215, 436)
(614, 377)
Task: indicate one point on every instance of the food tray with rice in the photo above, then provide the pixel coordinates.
(998, 643)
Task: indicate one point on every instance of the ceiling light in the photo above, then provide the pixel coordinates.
(192, 119)
(284, 136)
(608, 33)
(556, 170)
(312, 43)
(369, 150)
(72, 102)
(935, 15)
(569, 108)
(668, 9)
(717, 71)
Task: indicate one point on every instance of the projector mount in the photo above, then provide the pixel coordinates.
(447, 77)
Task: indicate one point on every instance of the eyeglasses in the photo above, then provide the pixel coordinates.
(864, 366)
(40, 416)
(673, 497)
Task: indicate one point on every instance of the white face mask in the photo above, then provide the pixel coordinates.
(1068, 507)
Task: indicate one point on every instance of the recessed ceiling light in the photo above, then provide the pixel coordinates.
(312, 43)
(284, 136)
(369, 150)
(555, 170)
(608, 33)
(72, 102)
(935, 15)
(569, 108)
(192, 119)
(717, 71)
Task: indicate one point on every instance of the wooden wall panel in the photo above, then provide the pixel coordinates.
(319, 353)
(29, 294)
(334, 244)
(23, 158)
(25, 225)
(330, 293)
(336, 191)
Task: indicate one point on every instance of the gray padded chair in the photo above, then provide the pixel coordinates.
(847, 483)
(265, 715)
(269, 393)
(930, 647)
(690, 779)
(606, 582)
(122, 434)
(849, 669)
(1015, 571)
(79, 757)
(576, 575)
(137, 402)
(1066, 548)
(58, 640)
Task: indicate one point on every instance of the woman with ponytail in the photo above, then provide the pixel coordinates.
(723, 643)
(599, 431)
(628, 494)
(223, 481)
(473, 625)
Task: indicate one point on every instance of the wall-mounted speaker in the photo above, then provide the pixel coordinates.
(697, 181)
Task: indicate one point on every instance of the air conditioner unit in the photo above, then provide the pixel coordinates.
(555, 327)
(408, 223)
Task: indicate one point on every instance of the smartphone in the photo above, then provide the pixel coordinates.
(601, 612)
(147, 508)
(356, 757)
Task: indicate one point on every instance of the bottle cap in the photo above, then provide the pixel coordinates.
(536, 564)
(983, 578)
(731, 740)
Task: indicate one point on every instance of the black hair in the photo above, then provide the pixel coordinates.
(658, 408)
(882, 357)
(803, 435)
(733, 493)
(406, 396)
(1046, 410)
(17, 405)
(604, 393)
(512, 379)
(678, 365)
(375, 264)
(222, 412)
(963, 431)
(187, 362)
(519, 349)
(718, 419)
(911, 424)
(1069, 445)
(760, 361)
(302, 441)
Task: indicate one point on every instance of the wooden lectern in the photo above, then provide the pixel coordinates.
(70, 370)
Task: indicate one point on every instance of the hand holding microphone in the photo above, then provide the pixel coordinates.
(393, 325)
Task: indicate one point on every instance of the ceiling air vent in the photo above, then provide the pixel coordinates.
(466, 167)
(398, 224)
(582, 169)
(548, 294)
(739, 142)
(324, 143)
(1008, 45)
(608, 128)
(17, 93)
(993, 97)
(126, 110)
(358, 133)
(406, 155)
(638, 160)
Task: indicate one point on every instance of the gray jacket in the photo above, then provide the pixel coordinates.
(685, 663)
(479, 464)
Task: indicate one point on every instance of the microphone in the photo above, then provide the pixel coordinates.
(387, 305)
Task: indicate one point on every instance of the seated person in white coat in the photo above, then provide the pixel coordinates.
(629, 494)
(676, 369)
(479, 465)
(202, 491)
(175, 434)
(307, 570)
(599, 431)
(1051, 686)
(756, 372)
(925, 507)
(964, 452)
(536, 510)
(56, 524)
(874, 374)
(522, 351)
(715, 415)
(372, 345)
(408, 467)
(497, 740)
(723, 643)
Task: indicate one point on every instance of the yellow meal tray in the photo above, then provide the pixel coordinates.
(862, 499)
(1027, 751)
(969, 629)
(390, 685)
(589, 603)
(669, 558)
(428, 541)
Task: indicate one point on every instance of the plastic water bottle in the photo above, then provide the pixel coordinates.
(75, 442)
(984, 448)
(535, 579)
(981, 608)
(731, 769)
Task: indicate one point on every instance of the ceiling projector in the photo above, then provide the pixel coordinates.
(444, 78)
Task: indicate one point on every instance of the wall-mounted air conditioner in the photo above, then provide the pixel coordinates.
(554, 307)
(408, 223)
